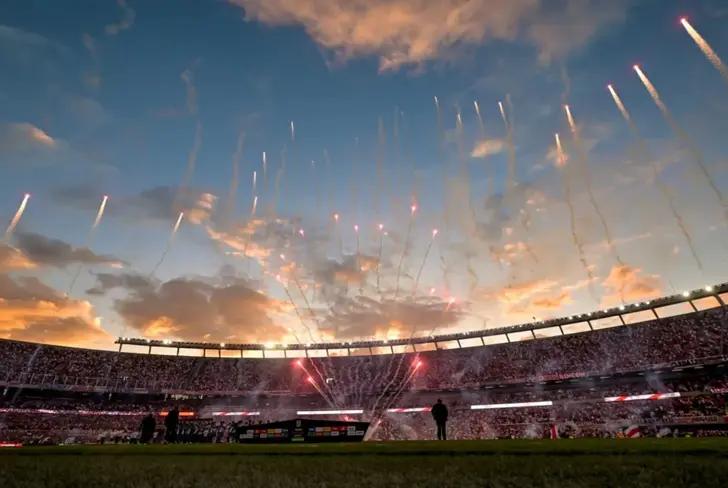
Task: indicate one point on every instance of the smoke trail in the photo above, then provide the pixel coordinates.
(679, 132)
(191, 163)
(708, 51)
(97, 221)
(234, 180)
(405, 248)
(643, 153)
(265, 168)
(511, 149)
(424, 260)
(169, 244)
(295, 307)
(561, 159)
(379, 255)
(16, 218)
(584, 160)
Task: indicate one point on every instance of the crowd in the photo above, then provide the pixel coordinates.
(676, 340)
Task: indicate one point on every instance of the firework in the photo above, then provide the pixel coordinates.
(254, 207)
(255, 181)
(667, 195)
(679, 132)
(293, 132)
(561, 155)
(177, 224)
(97, 221)
(503, 113)
(100, 212)
(16, 218)
(234, 180)
(413, 209)
(584, 160)
(708, 51)
(424, 260)
(265, 166)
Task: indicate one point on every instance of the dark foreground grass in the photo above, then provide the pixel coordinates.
(565, 463)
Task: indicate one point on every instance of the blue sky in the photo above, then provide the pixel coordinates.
(109, 97)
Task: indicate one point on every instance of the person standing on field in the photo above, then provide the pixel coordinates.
(439, 413)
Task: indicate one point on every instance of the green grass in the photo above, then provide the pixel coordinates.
(563, 463)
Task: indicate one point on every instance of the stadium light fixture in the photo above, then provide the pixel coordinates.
(686, 294)
(495, 406)
(708, 288)
(330, 412)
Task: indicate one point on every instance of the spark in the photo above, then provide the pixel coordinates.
(16, 217)
(708, 51)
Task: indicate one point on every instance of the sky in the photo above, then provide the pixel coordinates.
(351, 169)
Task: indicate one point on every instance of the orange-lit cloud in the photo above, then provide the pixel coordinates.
(32, 311)
(487, 147)
(12, 259)
(629, 284)
(413, 32)
(25, 137)
(195, 310)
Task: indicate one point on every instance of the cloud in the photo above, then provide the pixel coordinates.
(194, 309)
(42, 250)
(24, 137)
(126, 22)
(626, 284)
(32, 311)
(487, 147)
(568, 25)
(12, 259)
(386, 318)
(159, 203)
(106, 282)
(413, 32)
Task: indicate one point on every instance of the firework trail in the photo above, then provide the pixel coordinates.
(293, 132)
(481, 124)
(413, 209)
(414, 366)
(707, 50)
(584, 160)
(379, 254)
(643, 153)
(255, 181)
(16, 218)
(254, 207)
(277, 183)
(97, 221)
(169, 244)
(356, 260)
(679, 132)
(561, 159)
(424, 260)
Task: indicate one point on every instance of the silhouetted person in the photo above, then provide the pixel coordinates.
(439, 413)
(148, 426)
(170, 423)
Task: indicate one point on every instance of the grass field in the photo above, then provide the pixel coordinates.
(563, 463)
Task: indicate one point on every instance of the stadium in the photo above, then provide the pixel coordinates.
(363, 243)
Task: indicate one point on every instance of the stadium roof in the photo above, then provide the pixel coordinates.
(622, 315)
